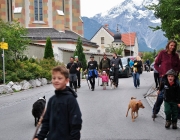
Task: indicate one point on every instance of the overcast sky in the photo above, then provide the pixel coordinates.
(91, 7)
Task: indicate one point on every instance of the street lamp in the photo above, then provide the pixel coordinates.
(130, 40)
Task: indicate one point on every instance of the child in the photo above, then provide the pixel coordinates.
(62, 119)
(171, 98)
(105, 79)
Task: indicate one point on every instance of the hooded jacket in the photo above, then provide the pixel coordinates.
(165, 62)
(62, 120)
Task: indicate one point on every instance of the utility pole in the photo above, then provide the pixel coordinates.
(130, 40)
(3, 63)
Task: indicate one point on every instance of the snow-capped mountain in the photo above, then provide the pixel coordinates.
(132, 16)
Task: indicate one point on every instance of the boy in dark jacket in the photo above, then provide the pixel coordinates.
(171, 98)
(62, 119)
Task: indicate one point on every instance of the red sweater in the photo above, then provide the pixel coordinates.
(165, 62)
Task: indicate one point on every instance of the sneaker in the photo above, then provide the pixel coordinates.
(92, 89)
(78, 86)
(168, 124)
(75, 90)
(174, 125)
(101, 85)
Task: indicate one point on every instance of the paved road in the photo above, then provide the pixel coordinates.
(103, 113)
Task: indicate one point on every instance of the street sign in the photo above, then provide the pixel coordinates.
(3, 45)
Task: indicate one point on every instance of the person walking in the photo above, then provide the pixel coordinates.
(73, 68)
(105, 65)
(171, 98)
(92, 71)
(156, 77)
(137, 70)
(148, 65)
(115, 63)
(167, 59)
(78, 71)
(63, 118)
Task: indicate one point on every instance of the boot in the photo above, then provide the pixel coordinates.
(168, 124)
(174, 125)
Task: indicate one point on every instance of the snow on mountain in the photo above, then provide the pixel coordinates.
(132, 16)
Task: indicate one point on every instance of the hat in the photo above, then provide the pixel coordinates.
(76, 56)
(92, 56)
(104, 71)
(171, 72)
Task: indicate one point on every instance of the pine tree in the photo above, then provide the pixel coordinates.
(79, 52)
(48, 53)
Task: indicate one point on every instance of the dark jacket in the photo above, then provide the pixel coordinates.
(72, 68)
(171, 93)
(92, 65)
(165, 62)
(104, 64)
(116, 62)
(138, 66)
(62, 120)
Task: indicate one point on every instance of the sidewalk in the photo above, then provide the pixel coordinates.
(152, 99)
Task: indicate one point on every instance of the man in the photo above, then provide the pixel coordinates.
(105, 65)
(115, 62)
(73, 68)
(148, 64)
(78, 72)
(167, 59)
(92, 71)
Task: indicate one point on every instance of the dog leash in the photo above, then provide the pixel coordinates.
(148, 94)
(39, 124)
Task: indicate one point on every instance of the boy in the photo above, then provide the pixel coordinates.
(171, 98)
(62, 120)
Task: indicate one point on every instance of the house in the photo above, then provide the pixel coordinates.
(104, 38)
(59, 20)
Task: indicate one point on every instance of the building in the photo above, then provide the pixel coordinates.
(58, 19)
(104, 38)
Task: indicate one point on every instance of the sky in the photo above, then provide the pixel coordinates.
(89, 8)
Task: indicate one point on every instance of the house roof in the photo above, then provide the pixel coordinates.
(127, 38)
(43, 33)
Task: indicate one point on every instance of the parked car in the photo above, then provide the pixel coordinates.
(127, 70)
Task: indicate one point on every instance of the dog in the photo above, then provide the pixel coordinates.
(111, 82)
(38, 108)
(134, 105)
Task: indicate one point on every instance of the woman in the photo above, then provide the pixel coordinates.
(137, 70)
(167, 59)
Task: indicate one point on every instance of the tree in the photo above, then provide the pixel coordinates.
(118, 50)
(48, 53)
(79, 52)
(15, 35)
(148, 55)
(168, 11)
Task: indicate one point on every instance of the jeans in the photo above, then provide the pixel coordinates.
(116, 76)
(136, 79)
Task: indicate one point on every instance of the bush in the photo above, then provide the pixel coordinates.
(24, 69)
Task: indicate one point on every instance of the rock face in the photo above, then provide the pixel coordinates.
(23, 85)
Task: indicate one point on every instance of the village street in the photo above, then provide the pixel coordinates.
(103, 113)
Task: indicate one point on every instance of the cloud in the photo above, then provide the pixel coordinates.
(89, 8)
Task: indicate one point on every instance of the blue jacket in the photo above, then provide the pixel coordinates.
(92, 73)
(131, 63)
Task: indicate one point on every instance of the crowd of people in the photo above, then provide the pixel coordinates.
(62, 118)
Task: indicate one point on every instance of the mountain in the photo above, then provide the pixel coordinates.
(130, 16)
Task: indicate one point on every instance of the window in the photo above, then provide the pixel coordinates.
(102, 40)
(38, 10)
(9, 10)
(63, 4)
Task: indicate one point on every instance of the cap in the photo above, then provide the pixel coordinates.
(171, 72)
(104, 71)
(92, 56)
(76, 56)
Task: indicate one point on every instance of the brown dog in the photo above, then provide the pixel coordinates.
(134, 105)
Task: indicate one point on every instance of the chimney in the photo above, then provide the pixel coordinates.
(106, 26)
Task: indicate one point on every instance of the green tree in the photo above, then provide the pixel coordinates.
(79, 52)
(148, 55)
(15, 35)
(168, 11)
(113, 49)
(48, 53)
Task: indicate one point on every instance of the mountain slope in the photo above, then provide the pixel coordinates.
(131, 16)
